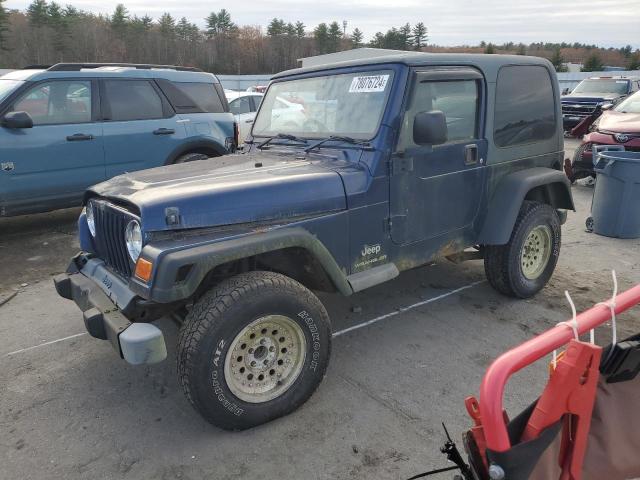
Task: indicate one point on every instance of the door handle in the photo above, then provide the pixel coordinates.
(164, 131)
(248, 121)
(470, 154)
(79, 137)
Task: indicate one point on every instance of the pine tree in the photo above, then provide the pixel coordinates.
(225, 25)
(167, 25)
(634, 61)
(276, 27)
(626, 51)
(419, 36)
(183, 29)
(300, 33)
(334, 36)
(356, 38)
(38, 13)
(558, 61)
(490, 48)
(58, 23)
(220, 24)
(4, 26)
(593, 63)
(522, 49)
(119, 20)
(378, 40)
(212, 24)
(321, 37)
(406, 37)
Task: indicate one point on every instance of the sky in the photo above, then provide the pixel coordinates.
(608, 23)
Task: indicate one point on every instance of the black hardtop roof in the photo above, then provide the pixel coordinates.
(489, 64)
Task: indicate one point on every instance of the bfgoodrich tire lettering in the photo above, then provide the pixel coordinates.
(217, 320)
(503, 263)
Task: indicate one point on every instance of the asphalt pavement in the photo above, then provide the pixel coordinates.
(401, 365)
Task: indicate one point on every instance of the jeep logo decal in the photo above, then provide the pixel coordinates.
(370, 250)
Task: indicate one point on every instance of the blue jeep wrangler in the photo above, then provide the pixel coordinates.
(400, 160)
(74, 125)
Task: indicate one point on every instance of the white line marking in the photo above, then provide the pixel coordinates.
(45, 344)
(406, 309)
(336, 334)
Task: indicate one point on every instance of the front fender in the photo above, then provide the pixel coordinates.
(541, 184)
(167, 285)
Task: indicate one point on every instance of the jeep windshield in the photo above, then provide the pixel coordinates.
(602, 86)
(8, 86)
(346, 105)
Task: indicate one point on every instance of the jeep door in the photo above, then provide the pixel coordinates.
(141, 129)
(50, 165)
(436, 190)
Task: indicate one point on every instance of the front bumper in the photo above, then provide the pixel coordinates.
(102, 297)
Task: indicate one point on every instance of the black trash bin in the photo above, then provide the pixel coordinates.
(616, 199)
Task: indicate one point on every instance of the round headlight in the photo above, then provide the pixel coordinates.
(133, 239)
(91, 221)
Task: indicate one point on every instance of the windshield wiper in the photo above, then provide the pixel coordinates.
(284, 136)
(337, 138)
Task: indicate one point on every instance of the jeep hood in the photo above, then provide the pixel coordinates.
(228, 190)
(619, 122)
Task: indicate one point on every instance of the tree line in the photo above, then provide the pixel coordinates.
(47, 32)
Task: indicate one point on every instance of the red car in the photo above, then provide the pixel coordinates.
(618, 126)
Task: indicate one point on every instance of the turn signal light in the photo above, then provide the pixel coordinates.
(143, 269)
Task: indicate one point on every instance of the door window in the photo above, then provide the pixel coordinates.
(457, 99)
(58, 102)
(132, 100)
(240, 105)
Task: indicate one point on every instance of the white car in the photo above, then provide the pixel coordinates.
(244, 106)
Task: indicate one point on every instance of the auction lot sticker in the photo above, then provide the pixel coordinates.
(370, 83)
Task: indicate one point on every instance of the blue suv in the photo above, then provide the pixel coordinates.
(70, 126)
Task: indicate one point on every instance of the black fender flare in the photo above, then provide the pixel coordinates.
(195, 145)
(204, 257)
(542, 184)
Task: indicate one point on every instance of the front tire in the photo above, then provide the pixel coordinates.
(252, 349)
(522, 267)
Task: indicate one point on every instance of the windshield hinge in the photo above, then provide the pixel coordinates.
(399, 164)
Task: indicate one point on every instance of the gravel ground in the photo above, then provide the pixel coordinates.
(71, 409)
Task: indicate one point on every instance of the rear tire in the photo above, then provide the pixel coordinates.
(252, 349)
(522, 267)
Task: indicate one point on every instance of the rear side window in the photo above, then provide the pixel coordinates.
(240, 105)
(132, 100)
(525, 106)
(192, 97)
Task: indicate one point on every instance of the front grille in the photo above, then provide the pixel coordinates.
(111, 222)
(579, 109)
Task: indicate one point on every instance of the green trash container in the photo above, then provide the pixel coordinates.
(616, 199)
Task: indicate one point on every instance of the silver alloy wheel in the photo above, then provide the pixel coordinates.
(536, 252)
(265, 359)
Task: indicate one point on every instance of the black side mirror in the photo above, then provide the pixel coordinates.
(430, 128)
(566, 91)
(17, 120)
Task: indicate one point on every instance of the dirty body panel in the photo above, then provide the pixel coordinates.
(352, 212)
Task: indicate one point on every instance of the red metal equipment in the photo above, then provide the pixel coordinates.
(569, 394)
